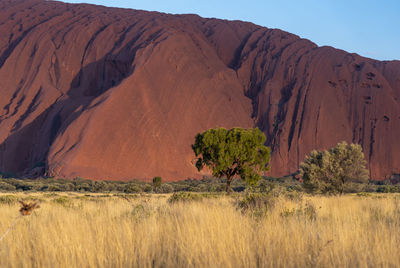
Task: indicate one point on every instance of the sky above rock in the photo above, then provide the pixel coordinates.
(366, 27)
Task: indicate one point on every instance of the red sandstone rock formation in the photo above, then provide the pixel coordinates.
(110, 93)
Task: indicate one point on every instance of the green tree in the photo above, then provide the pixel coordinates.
(329, 171)
(157, 182)
(232, 152)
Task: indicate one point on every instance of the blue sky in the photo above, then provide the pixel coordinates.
(370, 28)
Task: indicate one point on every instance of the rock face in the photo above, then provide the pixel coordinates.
(110, 93)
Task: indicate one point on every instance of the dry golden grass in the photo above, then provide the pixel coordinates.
(79, 231)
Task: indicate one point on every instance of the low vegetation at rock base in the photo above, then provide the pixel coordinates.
(201, 230)
(207, 184)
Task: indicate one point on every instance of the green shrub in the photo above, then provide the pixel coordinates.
(330, 171)
(99, 186)
(68, 187)
(184, 197)
(363, 194)
(395, 189)
(165, 189)
(23, 186)
(194, 189)
(383, 189)
(132, 188)
(82, 187)
(388, 189)
(369, 188)
(54, 188)
(7, 187)
(203, 188)
(63, 201)
(353, 188)
(120, 187)
(147, 188)
(8, 199)
(266, 186)
(211, 195)
(294, 196)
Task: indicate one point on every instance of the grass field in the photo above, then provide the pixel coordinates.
(74, 230)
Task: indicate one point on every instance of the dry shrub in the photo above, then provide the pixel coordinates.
(307, 212)
(63, 201)
(140, 212)
(27, 208)
(256, 204)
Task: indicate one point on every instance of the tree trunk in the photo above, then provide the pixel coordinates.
(342, 186)
(341, 190)
(228, 185)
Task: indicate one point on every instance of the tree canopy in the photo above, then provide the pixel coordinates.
(232, 152)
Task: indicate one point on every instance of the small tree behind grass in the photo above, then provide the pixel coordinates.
(157, 181)
(329, 171)
(233, 152)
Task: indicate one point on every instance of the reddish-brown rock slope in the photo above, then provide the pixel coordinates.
(111, 93)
